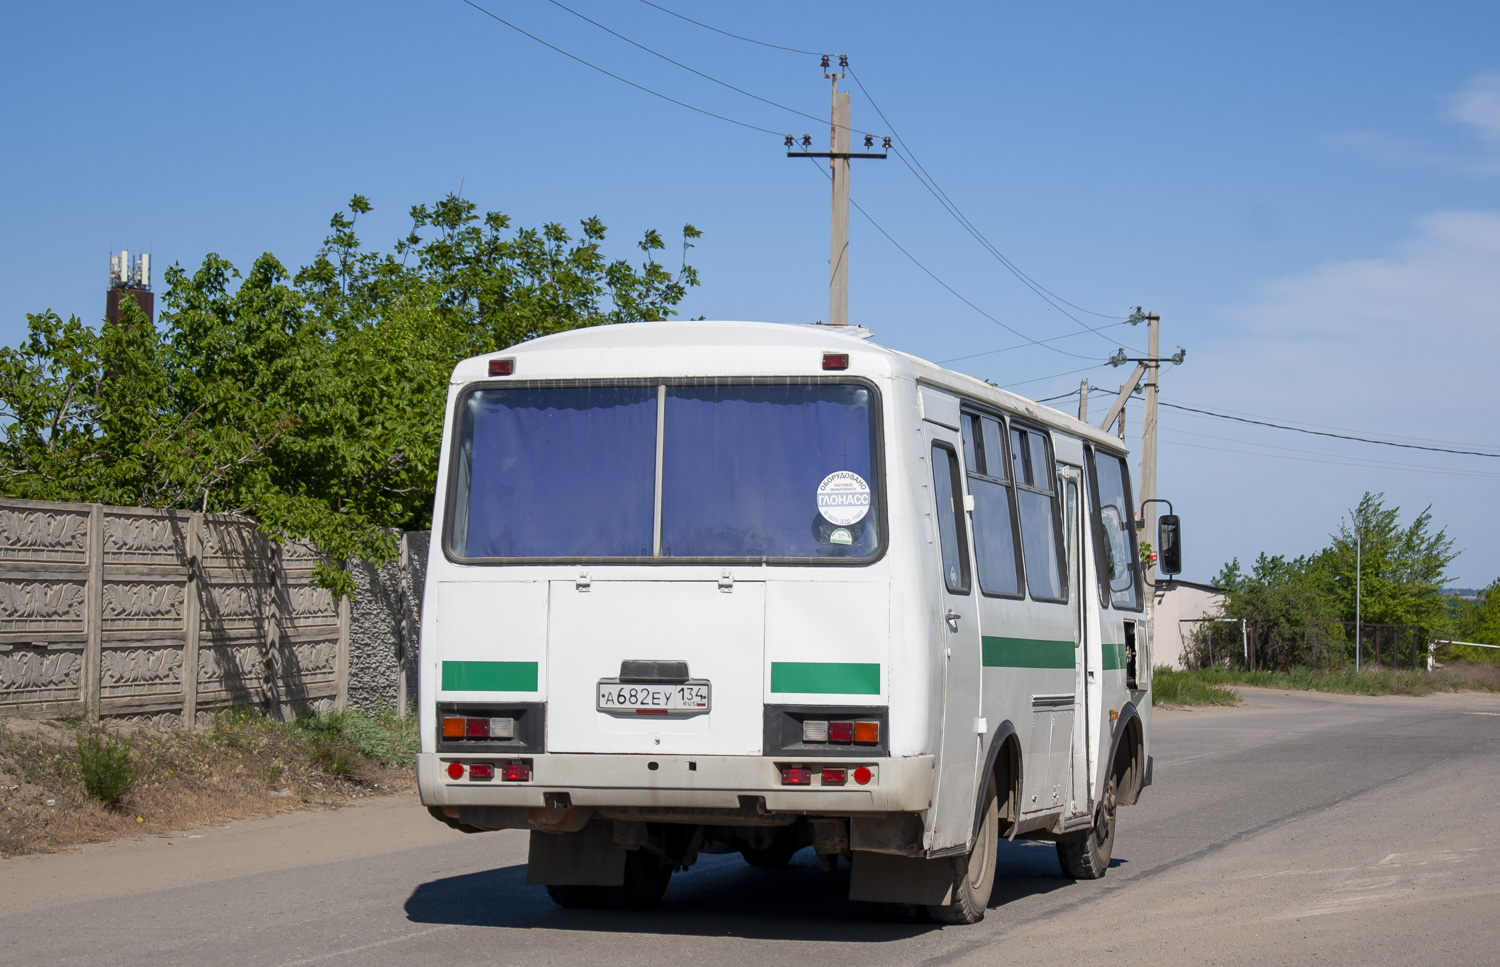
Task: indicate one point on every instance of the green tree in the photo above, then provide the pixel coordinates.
(1401, 570)
(1287, 607)
(310, 401)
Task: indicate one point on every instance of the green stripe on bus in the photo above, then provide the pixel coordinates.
(826, 677)
(1027, 653)
(489, 676)
(1114, 657)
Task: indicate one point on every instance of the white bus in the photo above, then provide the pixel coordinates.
(729, 586)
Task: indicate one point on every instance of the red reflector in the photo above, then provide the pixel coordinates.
(867, 731)
(840, 731)
(477, 728)
(515, 773)
(862, 776)
(651, 711)
(481, 770)
(455, 770)
(793, 776)
(835, 360)
(835, 777)
(502, 367)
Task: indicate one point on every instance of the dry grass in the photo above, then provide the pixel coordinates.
(245, 765)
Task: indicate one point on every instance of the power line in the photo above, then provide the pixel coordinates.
(933, 275)
(1327, 426)
(639, 87)
(1071, 372)
(1336, 436)
(1006, 349)
(936, 190)
(691, 70)
(1340, 458)
(919, 171)
(1338, 463)
(748, 40)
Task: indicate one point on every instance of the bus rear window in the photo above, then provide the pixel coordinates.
(747, 471)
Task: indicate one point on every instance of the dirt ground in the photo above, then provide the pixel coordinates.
(183, 780)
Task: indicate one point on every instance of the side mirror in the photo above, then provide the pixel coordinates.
(1169, 544)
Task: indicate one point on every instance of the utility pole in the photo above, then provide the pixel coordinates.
(1147, 518)
(1147, 375)
(1083, 401)
(838, 156)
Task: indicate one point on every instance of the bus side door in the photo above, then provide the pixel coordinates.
(957, 627)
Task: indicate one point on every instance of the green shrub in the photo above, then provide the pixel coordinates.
(104, 765)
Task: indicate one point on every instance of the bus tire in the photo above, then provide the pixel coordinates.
(974, 873)
(646, 879)
(775, 856)
(577, 897)
(1088, 858)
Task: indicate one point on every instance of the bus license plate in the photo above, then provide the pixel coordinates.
(677, 698)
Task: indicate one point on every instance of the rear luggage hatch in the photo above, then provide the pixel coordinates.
(717, 631)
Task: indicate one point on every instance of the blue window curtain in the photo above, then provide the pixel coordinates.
(742, 466)
(558, 472)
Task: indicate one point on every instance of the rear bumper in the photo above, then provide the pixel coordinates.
(704, 782)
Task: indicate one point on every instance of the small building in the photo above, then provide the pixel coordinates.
(1177, 608)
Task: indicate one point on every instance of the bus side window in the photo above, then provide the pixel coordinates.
(1114, 531)
(947, 485)
(1036, 494)
(995, 545)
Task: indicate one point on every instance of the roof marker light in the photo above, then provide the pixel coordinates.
(502, 367)
(830, 361)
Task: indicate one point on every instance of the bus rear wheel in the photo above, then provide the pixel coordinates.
(1088, 858)
(974, 874)
(646, 879)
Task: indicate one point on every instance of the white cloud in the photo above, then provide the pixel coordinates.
(1478, 105)
(1444, 282)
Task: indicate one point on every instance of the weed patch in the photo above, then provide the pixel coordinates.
(1172, 687)
(104, 765)
(1456, 677)
(64, 784)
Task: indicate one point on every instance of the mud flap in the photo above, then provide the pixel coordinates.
(884, 878)
(589, 857)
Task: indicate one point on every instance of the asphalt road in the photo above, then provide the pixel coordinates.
(1301, 829)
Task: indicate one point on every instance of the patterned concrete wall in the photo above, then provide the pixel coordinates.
(384, 619)
(162, 616)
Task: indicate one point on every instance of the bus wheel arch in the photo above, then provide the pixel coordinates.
(1003, 764)
(1128, 761)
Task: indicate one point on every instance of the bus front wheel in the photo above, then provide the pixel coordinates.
(1088, 858)
(974, 874)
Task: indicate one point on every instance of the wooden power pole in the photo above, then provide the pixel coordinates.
(1147, 375)
(838, 156)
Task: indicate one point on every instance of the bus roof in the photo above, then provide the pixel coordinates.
(699, 348)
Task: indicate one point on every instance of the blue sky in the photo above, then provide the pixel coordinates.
(1307, 194)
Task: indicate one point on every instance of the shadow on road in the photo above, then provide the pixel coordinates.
(721, 896)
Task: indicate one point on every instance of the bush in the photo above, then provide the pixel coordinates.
(104, 765)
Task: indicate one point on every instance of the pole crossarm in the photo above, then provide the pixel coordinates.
(1119, 403)
(843, 155)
